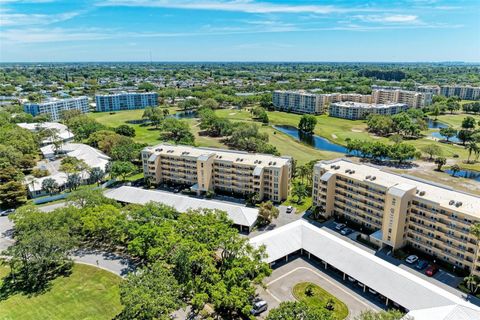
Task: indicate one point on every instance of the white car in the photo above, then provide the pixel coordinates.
(289, 209)
(411, 259)
(340, 226)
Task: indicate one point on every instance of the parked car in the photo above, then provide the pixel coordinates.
(259, 307)
(289, 209)
(431, 270)
(421, 264)
(6, 212)
(411, 259)
(340, 226)
(346, 231)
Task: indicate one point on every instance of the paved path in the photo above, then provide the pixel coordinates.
(280, 284)
(51, 207)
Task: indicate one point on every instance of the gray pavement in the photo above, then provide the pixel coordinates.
(6, 230)
(105, 260)
(280, 284)
(51, 207)
(283, 219)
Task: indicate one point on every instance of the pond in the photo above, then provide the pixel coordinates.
(311, 140)
(437, 135)
(467, 174)
(432, 124)
(185, 114)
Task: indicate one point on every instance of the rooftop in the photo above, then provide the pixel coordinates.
(441, 195)
(62, 130)
(361, 105)
(240, 215)
(238, 157)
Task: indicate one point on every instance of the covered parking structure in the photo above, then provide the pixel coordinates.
(243, 217)
(398, 286)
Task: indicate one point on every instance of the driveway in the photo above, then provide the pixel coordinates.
(280, 284)
(283, 219)
(6, 229)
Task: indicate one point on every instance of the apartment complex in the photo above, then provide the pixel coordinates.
(358, 110)
(126, 101)
(433, 89)
(402, 210)
(220, 170)
(54, 107)
(413, 99)
(298, 102)
(463, 92)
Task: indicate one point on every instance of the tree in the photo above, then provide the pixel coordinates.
(448, 132)
(472, 147)
(73, 181)
(97, 175)
(436, 111)
(454, 169)
(210, 103)
(267, 212)
(464, 135)
(147, 86)
(125, 130)
(154, 114)
(469, 123)
(12, 194)
(89, 197)
(122, 169)
(472, 283)
(177, 131)
(452, 104)
(50, 186)
(402, 152)
(381, 315)
(432, 150)
(150, 293)
(293, 310)
(103, 224)
(300, 191)
(72, 165)
(307, 123)
(440, 161)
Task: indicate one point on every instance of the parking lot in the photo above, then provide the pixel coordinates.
(283, 218)
(285, 276)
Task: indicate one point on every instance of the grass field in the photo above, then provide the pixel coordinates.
(319, 299)
(88, 293)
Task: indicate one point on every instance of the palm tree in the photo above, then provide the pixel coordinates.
(473, 283)
(455, 168)
(302, 172)
(472, 147)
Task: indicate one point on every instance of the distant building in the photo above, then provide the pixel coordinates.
(126, 101)
(463, 92)
(413, 99)
(429, 89)
(54, 107)
(219, 170)
(298, 102)
(357, 110)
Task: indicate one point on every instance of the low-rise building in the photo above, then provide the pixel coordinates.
(413, 99)
(401, 210)
(54, 107)
(358, 110)
(219, 170)
(463, 92)
(60, 131)
(126, 101)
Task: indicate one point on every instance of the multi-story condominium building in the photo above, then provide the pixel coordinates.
(463, 92)
(413, 99)
(126, 101)
(433, 89)
(401, 210)
(54, 107)
(297, 102)
(358, 110)
(220, 170)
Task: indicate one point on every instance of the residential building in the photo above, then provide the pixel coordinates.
(54, 107)
(413, 99)
(433, 89)
(358, 110)
(463, 92)
(61, 130)
(219, 170)
(401, 210)
(298, 102)
(126, 101)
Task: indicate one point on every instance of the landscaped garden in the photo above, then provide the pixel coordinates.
(87, 293)
(316, 297)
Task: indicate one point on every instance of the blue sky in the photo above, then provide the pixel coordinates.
(239, 30)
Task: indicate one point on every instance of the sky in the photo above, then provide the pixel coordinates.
(239, 30)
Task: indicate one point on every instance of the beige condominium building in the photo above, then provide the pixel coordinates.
(358, 110)
(219, 170)
(401, 210)
(413, 99)
(463, 92)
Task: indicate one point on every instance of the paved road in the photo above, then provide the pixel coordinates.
(51, 207)
(284, 278)
(6, 228)
(283, 219)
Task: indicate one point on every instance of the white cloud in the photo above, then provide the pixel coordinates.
(9, 18)
(395, 18)
(38, 35)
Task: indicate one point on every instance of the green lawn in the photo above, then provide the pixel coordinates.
(319, 299)
(88, 293)
(299, 207)
(455, 120)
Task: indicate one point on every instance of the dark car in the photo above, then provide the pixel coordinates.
(6, 212)
(422, 264)
(346, 231)
(431, 270)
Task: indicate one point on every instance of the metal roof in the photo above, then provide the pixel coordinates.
(240, 215)
(397, 284)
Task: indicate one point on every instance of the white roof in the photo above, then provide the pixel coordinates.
(452, 312)
(397, 284)
(36, 184)
(92, 157)
(240, 215)
(63, 132)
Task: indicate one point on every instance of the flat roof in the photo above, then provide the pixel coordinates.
(361, 105)
(441, 195)
(240, 215)
(235, 156)
(400, 286)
